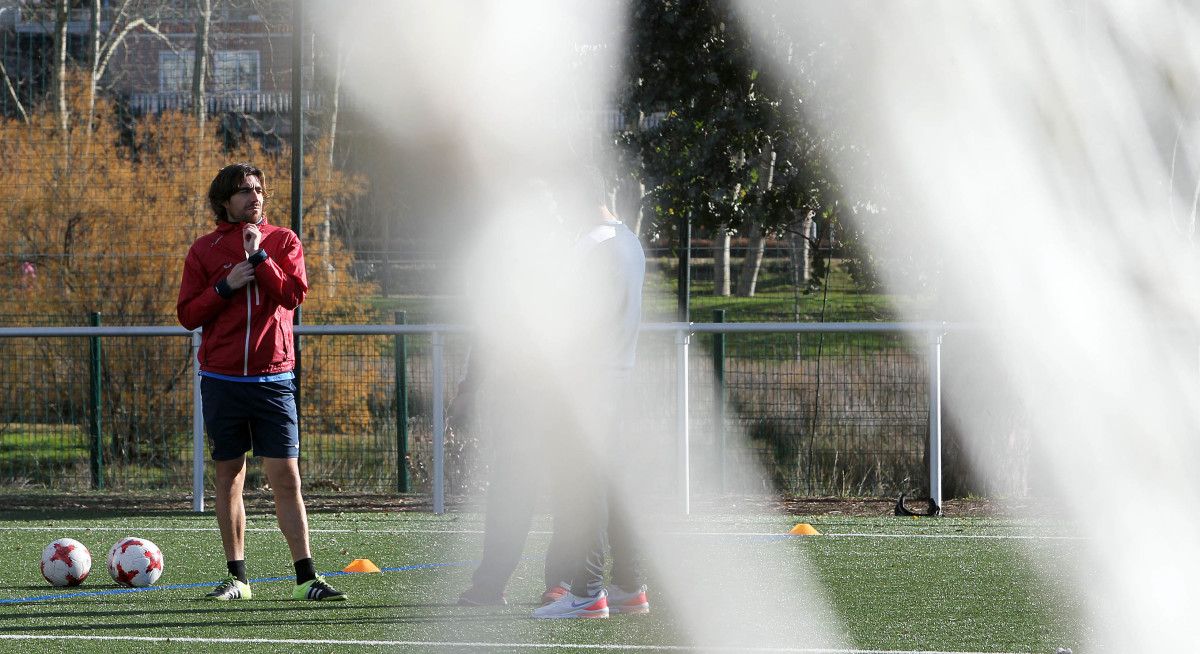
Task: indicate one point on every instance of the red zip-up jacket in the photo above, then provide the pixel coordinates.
(250, 333)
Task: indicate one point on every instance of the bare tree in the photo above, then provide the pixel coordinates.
(8, 84)
(62, 16)
(200, 61)
(102, 45)
(93, 54)
(341, 57)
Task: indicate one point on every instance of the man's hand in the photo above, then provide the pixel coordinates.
(251, 238)
(240, 275)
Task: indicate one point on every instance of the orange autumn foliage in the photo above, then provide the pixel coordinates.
(98, 218)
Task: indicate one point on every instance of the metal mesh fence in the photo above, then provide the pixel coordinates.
(852, 421)
(807, 414)
(832, 414)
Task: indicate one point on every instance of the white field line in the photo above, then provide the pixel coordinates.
(475, 645)
(962, 536)
(397, 532)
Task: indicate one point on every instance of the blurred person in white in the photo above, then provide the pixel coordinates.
(603, 310)
(551, 366)
(508, 378)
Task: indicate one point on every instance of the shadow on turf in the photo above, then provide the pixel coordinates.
(51, 505)
(59, 505)
(133, 510)
(257, 615)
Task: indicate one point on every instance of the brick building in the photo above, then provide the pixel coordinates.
(150, 69)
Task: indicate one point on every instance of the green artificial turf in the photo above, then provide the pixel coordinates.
(894, 584)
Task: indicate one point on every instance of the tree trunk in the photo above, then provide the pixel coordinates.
(334, 103)
(628, 201)
(720, 249)
(757, 239)
(93, 61)
(801, 250)
(755, 248)
(801, 269)
(200, 63)
(12, 92)
(640, 213)
(62, 14)
(636, 196)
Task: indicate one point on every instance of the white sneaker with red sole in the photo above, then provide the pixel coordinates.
(628, 602)
(574, 606)
(555, 593)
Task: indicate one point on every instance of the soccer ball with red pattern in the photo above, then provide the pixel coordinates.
(66, 562)
(135, 562)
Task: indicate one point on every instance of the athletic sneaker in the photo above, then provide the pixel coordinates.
(230, 589)
(553, 593)
(573, 606)
(628, 603)
(317, 589)
(473, 596)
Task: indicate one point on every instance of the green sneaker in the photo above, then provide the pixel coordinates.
(317, 589)
(230, 589)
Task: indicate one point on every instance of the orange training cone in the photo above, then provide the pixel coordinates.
(361, 565)
(804, 529)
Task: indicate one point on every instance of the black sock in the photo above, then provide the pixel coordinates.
(305, 570)
(237, 569)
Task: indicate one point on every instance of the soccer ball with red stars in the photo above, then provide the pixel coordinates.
(135, 562)
(66, 562)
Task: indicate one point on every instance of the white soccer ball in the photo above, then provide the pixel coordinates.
(135, 562)
(66, 562)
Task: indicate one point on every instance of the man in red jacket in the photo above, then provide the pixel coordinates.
(241, 283)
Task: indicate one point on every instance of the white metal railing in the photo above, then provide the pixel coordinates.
(932, 331)
(215, 102)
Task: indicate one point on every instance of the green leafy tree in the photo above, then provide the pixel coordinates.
(727, 142)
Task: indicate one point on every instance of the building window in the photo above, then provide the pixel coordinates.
(235, 70)
(175, 71)
(232, 71)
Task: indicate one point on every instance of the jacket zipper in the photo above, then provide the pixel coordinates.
(246, 347)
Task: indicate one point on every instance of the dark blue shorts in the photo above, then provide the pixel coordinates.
(240, 416)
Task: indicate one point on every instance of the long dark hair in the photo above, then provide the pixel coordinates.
(226, 183)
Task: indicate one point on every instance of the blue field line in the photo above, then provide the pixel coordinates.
(205, 584)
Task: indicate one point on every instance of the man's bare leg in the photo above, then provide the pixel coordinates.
(231, 510)
(284, 476)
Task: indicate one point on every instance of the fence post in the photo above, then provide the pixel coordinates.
(684, 274)
(682, 336)
(97, 399)
(439, 425)
(297, 197)
(935, 419)
(197, 429)
(719, 395)
(401, 361)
